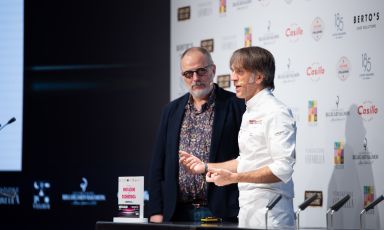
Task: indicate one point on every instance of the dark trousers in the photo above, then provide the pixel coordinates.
(190, 212)
(193, 213)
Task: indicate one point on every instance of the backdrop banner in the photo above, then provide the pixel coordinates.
(329, 71)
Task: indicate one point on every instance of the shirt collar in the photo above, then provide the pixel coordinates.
(257, 98)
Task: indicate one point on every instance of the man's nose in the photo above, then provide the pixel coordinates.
(234, 76)
(195, 76)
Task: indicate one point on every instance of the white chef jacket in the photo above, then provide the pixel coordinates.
(267, 137)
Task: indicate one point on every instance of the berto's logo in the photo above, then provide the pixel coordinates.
(367, 17)
(367, 110)
(366, 21)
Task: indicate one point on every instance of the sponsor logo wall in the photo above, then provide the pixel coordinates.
(328, 71)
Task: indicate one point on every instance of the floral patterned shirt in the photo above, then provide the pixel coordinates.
(195, 138)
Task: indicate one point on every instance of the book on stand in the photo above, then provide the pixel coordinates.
(131, 200)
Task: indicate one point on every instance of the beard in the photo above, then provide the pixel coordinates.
(200, 93)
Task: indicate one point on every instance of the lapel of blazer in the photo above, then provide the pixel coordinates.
(218, 123)
(174, 126)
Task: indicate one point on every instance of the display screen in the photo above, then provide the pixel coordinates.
(11, 84)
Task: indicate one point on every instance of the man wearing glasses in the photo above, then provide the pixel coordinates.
(204, 122)
(267, 142)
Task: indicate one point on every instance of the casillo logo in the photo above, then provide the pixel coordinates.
(294, 32)
(315, 71)
(367, 110)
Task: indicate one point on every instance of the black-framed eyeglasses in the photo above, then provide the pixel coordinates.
(199, 71)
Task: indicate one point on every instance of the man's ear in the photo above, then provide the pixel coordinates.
(213, 69)
(259, 78)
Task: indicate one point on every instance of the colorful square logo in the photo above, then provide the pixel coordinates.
(312, 111)
(247, 37)
(369, 195)
(223, 6)
(339, 153)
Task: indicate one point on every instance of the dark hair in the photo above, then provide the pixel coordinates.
(256, 59)
(205, 52)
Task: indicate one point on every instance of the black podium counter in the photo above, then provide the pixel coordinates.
(147, 226)
(100, 225)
